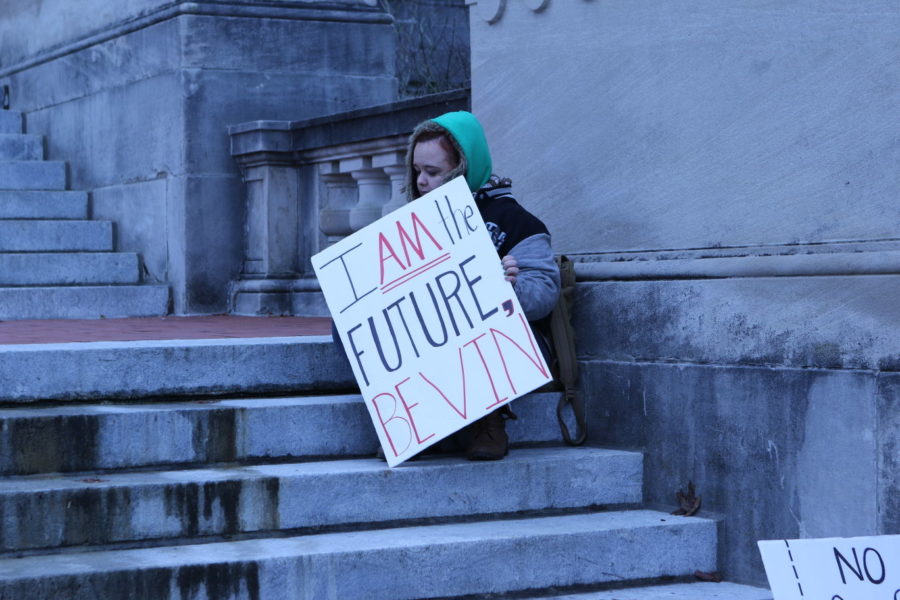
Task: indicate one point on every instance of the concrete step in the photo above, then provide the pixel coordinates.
(142, 507)
(55, 236)
(158, 368)
(481, 557)
(75, 302)
(25, 204)
(21, 146)
(674, 591)
(10, 121)
(62, 439)
(68, 268)
(32, 175)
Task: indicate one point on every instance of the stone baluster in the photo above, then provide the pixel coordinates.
(394, 166)
(374, 190)
(340, 197)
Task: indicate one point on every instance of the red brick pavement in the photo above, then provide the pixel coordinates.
(159, 328)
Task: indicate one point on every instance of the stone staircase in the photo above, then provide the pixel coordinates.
(54, 262)
(241, 468)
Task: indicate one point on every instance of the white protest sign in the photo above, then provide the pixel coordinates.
(860, 568)
(434, 333)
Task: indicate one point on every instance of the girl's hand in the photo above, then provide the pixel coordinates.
(510, 268)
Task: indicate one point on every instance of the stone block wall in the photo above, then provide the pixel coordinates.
(138, 97)
(725, 175)
(777, 397)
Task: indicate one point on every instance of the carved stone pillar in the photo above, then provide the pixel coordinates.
(393, 165)
(271, 228)
(271, 238)
(341, 196)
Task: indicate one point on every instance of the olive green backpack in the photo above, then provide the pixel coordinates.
(562, 340)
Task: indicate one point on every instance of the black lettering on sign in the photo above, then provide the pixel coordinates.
(356, 296)
(471, 283)
(866, 566)
(838, 557)
(453, 295)
(456, 215)
(858, 569)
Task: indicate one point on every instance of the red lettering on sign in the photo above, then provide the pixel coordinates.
(417, 245)
(461, 413)
(534, 357)
(497, 398)
(384, 244)
(394, 417)
(408, 408)
(386, 251)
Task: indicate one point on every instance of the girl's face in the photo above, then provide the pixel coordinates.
(432, 164)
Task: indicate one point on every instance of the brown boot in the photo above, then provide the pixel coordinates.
(487, 438)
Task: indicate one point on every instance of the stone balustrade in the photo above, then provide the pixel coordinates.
(310, 183)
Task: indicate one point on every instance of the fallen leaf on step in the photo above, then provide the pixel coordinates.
(704, 576)
(688, 504)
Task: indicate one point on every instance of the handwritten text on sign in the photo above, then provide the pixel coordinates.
(861, 568)
(434, 333)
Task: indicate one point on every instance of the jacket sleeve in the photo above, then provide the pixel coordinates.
(537, 286)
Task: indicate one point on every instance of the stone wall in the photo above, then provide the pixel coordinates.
(695, 124)
(725, 174)
(137, 96)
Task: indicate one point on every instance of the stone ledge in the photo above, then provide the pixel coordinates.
(256, 498)
(82, 302)
(360, 12)
(851, 258)
(676, 591)
(838, 322)
(72, 438)
(123, 370)
(385, 120)
(400, 563)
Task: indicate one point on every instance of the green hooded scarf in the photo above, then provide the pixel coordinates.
(467, 136)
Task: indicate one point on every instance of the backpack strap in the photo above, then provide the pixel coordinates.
(563, 339)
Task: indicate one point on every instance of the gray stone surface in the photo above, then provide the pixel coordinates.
(10, 121)
(190, 69)
(396, 563)
(43, 205)
(32, 175)
(806, 322)
(711, 123)
(887, 439)
(122, 370)
(64, 25)
(21, 147)
(205, 253)
(34, 268)
(50, 235)
(80, 302)
(874, 258)
(70, 22)
(764, 447)
(139, 211)
(676, 591)
(342, 128)
(131, 507)
(138, 436)
(769, 393)
(310, 304)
